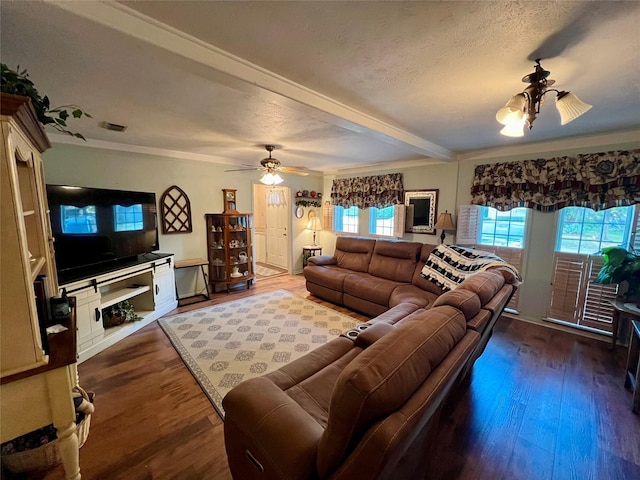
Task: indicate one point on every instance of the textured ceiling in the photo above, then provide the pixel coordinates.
(335, 84)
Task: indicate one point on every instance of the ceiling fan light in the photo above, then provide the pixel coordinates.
(267, 178)
(513, 111)
(515, 129)
(570, 107)
(277, 179)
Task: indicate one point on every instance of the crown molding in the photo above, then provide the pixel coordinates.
(626, 139)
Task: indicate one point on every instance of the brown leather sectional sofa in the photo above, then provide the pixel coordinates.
(365, 405)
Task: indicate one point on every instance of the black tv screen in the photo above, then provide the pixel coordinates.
(95, 227)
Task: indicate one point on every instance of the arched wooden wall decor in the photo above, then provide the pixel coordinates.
(176, 211)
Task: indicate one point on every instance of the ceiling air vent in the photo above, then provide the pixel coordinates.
(113, 126)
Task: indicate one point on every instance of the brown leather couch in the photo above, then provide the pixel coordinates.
(366, 404)
(371, 276)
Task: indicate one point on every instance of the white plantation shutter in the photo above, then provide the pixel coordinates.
(399, 215)
(468, 224)
(574, 298)
(327, 216)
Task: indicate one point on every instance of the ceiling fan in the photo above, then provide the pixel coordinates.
(271, 166)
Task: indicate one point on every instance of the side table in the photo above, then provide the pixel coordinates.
(632, 380)
(198, 297)
(619, 309)
(310, 251)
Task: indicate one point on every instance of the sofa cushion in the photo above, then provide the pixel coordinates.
(484, 284)
(329, 277)
(394, 260)
(384, 376)
(412, 294)
(371, 288)
(354, 253)
(464, 300)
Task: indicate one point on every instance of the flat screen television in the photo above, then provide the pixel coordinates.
(98, 229)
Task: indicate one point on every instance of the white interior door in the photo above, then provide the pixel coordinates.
(277, 220)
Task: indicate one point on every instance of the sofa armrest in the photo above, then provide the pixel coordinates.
(372, 334)
(267, 434)
(323, 260)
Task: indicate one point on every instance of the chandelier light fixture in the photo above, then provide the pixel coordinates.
(522, 108)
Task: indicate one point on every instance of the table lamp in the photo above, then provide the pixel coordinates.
(445, 222)
(314, 224)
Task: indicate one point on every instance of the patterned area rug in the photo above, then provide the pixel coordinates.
(225, 344)
(264, 271)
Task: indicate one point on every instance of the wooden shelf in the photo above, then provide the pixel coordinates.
(36, 266)
(111, 298)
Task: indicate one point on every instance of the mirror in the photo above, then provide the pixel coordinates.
(421, 207)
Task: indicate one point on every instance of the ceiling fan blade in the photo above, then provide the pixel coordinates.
(295, 170)
(244, 169)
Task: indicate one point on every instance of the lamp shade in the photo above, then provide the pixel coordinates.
(513, 111)
(445, 222)
(570, 107)
(314, 224)
(514, 129)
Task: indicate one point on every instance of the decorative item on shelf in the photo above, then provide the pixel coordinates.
(621, 265)
(522, 108)
(229, 198)
(119, 313)
(40, 450)
(242, 257)
(233, 259)
(298, 194)
(235, 273)
(17, 82)
(315, 225)
(444, 223)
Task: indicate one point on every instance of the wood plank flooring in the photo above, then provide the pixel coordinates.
(541, 404)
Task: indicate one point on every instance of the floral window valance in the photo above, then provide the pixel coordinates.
(375, 191)
(596, 180)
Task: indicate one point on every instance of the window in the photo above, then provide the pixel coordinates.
(381, 221)
(128, 218)
(346, 219)
(581, 230)
(581, 234)
(501, 233)
(78, 220)
(506, 229)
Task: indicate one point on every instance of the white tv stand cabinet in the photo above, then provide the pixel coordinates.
(148, 284)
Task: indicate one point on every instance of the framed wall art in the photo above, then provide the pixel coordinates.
(421, 209)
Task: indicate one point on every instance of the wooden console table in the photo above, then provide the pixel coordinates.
(198, 297)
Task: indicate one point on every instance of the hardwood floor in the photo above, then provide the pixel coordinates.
(541, 404)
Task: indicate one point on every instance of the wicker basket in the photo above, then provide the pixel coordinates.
(48, 455)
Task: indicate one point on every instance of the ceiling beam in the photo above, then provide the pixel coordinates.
(137, 25)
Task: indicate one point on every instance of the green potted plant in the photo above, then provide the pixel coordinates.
(621, 265)
(17, 82)
(119, 313)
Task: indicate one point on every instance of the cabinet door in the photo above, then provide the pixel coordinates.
(164, 287)
(88, 319)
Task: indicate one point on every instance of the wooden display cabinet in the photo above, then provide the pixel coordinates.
(229, 248)
(32, 374)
